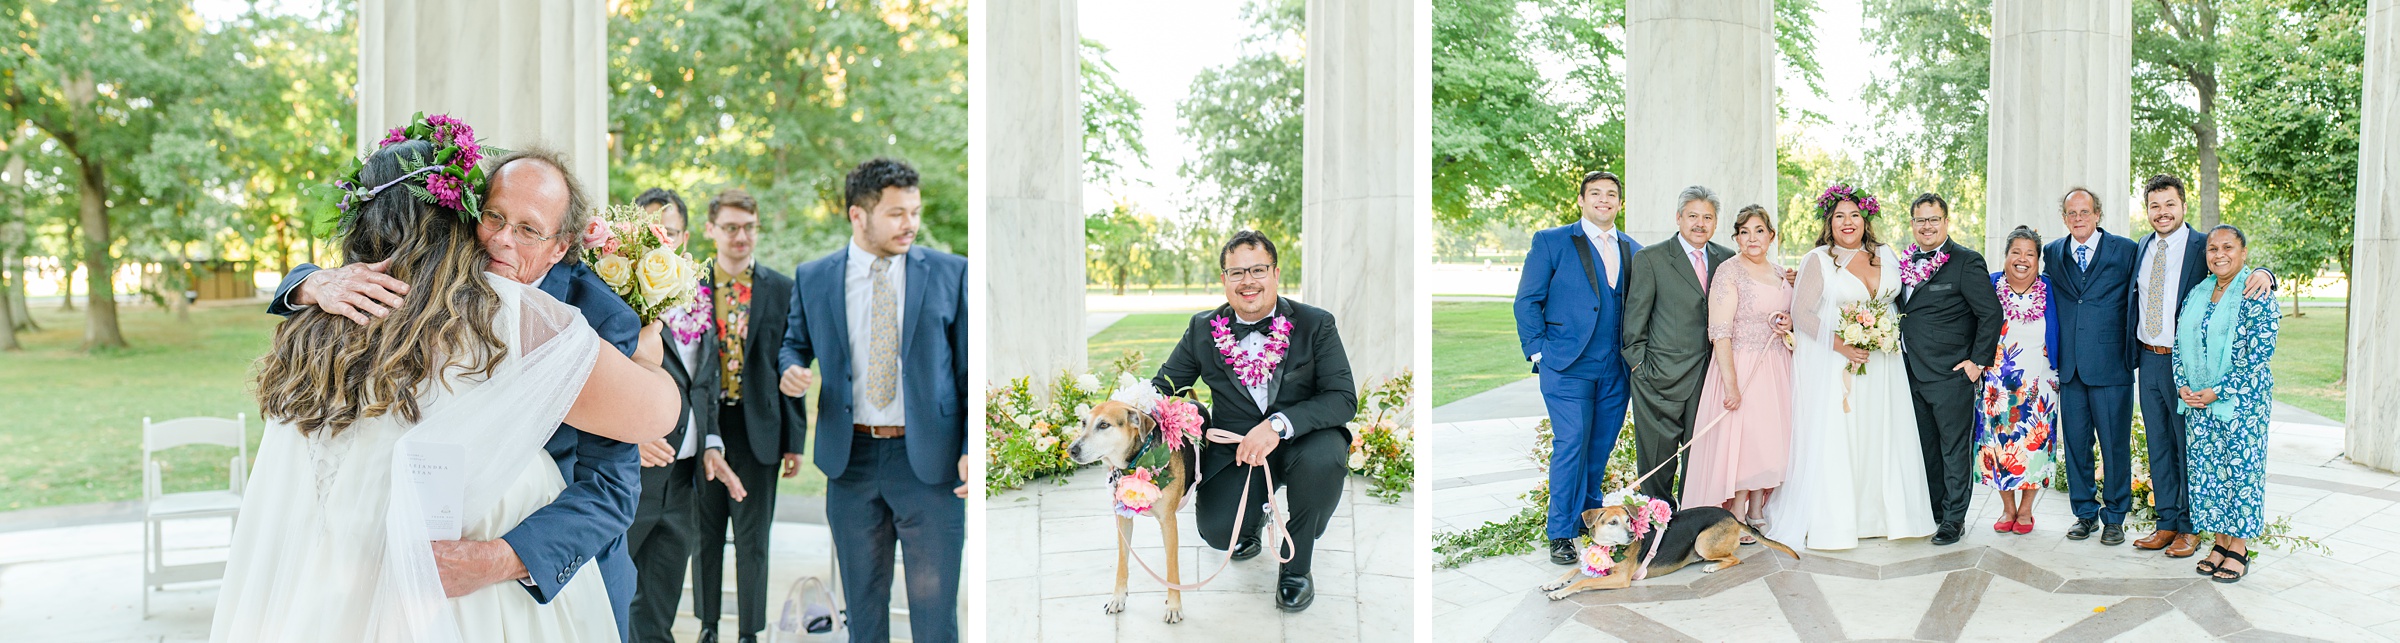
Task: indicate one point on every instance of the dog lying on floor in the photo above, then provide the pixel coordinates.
(1116, 433)
(1699, 533)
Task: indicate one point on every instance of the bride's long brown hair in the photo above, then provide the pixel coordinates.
(327, 372)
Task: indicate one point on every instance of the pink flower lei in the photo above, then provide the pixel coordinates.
(688, 322)
(1253, 370)
(2026, 308)
(1914, 272)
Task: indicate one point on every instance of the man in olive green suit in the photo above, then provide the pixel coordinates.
(1666, 336)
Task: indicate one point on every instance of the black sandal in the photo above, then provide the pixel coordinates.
(2220, 575)
(2206, 568)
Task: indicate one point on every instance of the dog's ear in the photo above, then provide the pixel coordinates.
(1591, 518)
(1141, 422)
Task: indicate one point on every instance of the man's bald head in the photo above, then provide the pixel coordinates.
(538, 178)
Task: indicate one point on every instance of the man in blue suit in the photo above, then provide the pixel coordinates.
(2091, 276)
(533, 220)
(1570, 308)
(888, 322)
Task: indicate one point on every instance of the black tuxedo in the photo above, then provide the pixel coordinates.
(757, 430)
(1313, 392)
(666, 520)
(1953, 317)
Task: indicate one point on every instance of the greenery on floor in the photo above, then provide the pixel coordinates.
(1474, 349)
(71, 421)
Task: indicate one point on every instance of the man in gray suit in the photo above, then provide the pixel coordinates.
(1666, 336)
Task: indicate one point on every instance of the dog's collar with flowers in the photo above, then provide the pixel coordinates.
(1252, 369)
(1137, 487)
(450, 179)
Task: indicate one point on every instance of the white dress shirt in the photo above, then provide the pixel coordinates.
(688, 354)
(2170, 291)
(858, 292)
(1264, 393)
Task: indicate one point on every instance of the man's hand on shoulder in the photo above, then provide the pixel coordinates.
(355, 291)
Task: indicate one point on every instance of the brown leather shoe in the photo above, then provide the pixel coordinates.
(2185, 545)
(2157, 540)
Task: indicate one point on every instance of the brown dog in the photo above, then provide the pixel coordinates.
(1113, 434)
(1699, 533)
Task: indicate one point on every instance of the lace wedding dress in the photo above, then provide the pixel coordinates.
(329, 549)
(1855, 472)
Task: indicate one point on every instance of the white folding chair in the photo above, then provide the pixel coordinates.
(159, 507)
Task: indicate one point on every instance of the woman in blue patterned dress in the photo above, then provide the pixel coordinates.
(2014, 448)
(2222, 347)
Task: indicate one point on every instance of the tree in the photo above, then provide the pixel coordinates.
(2294, 74)
(1245, 120)
(2175, 51)
(1112, 120)
(1933, 97)
(1122, 244)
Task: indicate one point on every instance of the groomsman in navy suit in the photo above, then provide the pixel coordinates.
(887, 322)
(1570, 309)
(2091, 278)
(2173, 260)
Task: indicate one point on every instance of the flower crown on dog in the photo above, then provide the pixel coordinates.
(1834, 195)
(450, 179)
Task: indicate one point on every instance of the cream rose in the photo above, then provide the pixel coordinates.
(616, 270)
(665, 275)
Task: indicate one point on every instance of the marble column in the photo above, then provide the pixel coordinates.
(1032, 165)
(2374, 394)
(1699, 109)
(2061, 112)
(523, 73)
(1359, 164)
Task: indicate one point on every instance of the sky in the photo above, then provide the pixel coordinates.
(1157, 47)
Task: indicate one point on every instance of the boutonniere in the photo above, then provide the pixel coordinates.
(1252, 369)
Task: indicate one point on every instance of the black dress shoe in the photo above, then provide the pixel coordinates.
(1247, 548)
(2083, 529)
(2113, 535)
(1946, 534)
(1294, 593)
(708, 635)
(749, 638)
(1562, 551)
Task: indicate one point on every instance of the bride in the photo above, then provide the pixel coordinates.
(332, 544)
(1855, 469)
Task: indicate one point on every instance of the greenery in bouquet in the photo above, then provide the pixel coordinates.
(627, 247)
(1525, 530)
(1383, 438)
(1868, 325)
(1029, 428)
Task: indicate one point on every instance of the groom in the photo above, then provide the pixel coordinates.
(1950, 326)
(1290, 397)
(533, 220)
(1569, 306)
(1666, 338)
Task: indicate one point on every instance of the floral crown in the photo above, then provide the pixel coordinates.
(1834, 195)
(450, 179)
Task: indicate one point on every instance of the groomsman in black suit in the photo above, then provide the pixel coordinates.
(1293, 414)
(1949, 331)
(761, 426)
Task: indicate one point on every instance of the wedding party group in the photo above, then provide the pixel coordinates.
(1868, 391)
(511, 414)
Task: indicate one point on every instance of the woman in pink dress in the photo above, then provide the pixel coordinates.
(1746, 405)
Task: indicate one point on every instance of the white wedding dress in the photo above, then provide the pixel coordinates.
(1855, 473)
(328, 549)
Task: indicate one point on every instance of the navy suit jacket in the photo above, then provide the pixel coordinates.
(933, 358)
(2095, 309)
(588, 520)
(1559, 315)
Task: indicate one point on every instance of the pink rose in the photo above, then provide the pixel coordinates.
(659, 231)
(596, 233)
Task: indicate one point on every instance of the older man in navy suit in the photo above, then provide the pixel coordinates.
(1569, 307)
(887, 320)
(533, 221)
(2091, 276)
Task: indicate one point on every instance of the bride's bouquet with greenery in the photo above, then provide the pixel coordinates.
(628, 248)
(1870, 326)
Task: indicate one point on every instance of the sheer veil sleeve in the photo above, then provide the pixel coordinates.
(1811, 318)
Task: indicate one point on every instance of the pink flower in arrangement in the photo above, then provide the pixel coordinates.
(659, 232)
(1178, 421)
(1598, 560)
(446, 189)
(1136, 493)
(597, 234)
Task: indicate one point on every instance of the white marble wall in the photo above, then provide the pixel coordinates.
(1358, 178)
(522, 72)
(1032, 162)
(2374, 396)
(1699, 109)
(2061, 114)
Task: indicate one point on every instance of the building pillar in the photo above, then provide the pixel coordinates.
(1033, 167)
(1699, 109)
(2061, 115)
(2373, 439)
(523, 73)
(1358, 178)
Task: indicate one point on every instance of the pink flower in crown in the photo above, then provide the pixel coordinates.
(446, 190)
(397, 134)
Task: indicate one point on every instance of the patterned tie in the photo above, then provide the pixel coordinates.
(1700, 269)
(883, 339)
(2083, 257)
(2153, 299)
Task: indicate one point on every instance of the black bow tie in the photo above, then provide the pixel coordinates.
(1262, 327)
(1921, 256)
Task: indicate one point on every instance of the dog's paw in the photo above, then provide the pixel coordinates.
(1114, 605)
(1174, 616)
(1558, 594)
(1552, 587)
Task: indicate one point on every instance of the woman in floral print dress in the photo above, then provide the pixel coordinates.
(2223, 344)
(2014, 448)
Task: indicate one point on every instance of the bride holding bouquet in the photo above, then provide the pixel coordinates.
(1855, 469)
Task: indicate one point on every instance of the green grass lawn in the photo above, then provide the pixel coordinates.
(71, 422)
(1474, 349)
(1154, 334)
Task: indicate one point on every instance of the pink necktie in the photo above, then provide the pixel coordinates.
(1700, 269)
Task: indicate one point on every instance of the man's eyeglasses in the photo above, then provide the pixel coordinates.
(738, 229)
(1257, 273)
(524, 233)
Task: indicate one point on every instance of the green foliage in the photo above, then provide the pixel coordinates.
(1029, 429)
(1383, 445)
(1121, 244)
(1522, 532)
(784, 99)
(2292, 111)
(1112, 120)
(2176, 48)
(1933, 101)
(1244, 120)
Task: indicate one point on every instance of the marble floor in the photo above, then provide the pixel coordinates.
(81, 583)
(1051, 562)
(1987, 587)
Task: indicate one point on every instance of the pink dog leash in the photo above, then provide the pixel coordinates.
(1275, 535)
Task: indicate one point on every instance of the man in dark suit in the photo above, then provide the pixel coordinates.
(2091, 276)
(1666, 338)
(533, 221)
(1292, 409)
(2173, 261)
(762, 427)
(888, 322)
(1950, 328)
(1569, 307)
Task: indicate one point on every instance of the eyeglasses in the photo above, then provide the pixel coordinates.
(524, 233)
(737, 229)
(1253, 273)
(1923, 221)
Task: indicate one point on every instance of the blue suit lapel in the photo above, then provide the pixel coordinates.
(840, 296)
(558, 280)
(918, 275)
